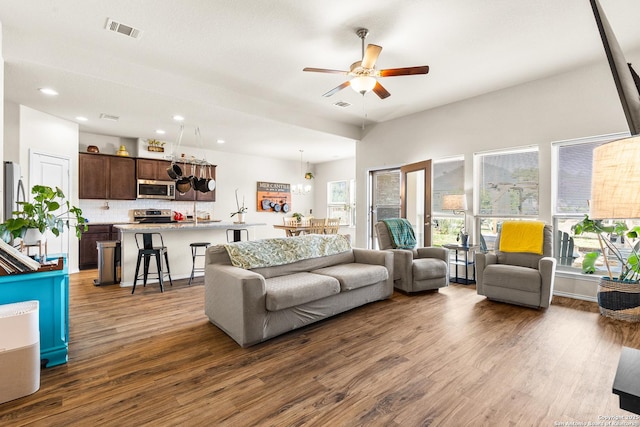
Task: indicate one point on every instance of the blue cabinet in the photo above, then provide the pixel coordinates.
(51, 289)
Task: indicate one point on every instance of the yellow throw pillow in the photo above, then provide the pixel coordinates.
(522, 236)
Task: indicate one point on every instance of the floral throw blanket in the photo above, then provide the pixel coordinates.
(285, 250)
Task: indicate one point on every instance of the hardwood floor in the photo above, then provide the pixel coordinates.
(450, 358)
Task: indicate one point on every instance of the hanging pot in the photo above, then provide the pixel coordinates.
(211, 183)
(174, 171)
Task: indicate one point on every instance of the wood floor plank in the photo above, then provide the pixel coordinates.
(439, 359)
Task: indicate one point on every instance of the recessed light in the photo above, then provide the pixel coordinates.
(178, 118)
(48, 91)
(82, 119)
(160, 132)
(220, 141)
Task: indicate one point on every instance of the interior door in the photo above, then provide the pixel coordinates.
(51, 170)
(415, 199)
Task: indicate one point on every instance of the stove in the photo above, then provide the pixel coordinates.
(152, 216)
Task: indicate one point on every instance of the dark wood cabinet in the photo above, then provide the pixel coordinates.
(106, 177)
(88, 253)
(153, 169)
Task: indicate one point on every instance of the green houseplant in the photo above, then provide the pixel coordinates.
(41, 214)
(241, 209)
(617, 296)
(629, 266)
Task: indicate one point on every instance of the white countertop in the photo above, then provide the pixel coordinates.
(182, 225)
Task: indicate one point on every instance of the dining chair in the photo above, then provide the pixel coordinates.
(316, 225)
(332, 225)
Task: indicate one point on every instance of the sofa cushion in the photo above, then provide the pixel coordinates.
(428, 268)
(305, 265)
(299, 288)
(513, 277)
(355, 275)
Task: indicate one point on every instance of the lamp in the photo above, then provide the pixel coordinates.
(458, 204)
(363, 84)
(615, 181)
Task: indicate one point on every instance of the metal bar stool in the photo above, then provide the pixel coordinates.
(194, 254)
(236, 234)
(146, 250)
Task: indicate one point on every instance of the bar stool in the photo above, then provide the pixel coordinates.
(194, 254)
(146, 250)
(236, 234)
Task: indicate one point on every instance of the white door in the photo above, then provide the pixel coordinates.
(53, 171)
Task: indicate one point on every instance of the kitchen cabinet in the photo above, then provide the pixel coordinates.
(103, 176)
(88, 244)
(153, 169)
(193, 195)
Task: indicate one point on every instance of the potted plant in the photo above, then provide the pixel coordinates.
(297, 215)
(32, 219)
(616, 295)
(241, 209)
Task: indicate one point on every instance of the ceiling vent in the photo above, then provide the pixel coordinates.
(109, 117)
(342, 104)
(124, 29)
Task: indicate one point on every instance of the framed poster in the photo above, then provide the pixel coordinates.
(273, 197)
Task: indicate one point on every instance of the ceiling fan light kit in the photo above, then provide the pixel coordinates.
(364, 73)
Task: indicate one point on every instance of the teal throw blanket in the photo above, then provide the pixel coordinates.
(401, 231)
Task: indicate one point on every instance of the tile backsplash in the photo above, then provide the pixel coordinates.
(112, 211)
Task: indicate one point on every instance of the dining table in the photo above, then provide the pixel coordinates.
(293, 230)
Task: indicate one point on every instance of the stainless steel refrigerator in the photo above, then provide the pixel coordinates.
(13, 188)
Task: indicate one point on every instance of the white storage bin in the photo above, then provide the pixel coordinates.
(19, 350)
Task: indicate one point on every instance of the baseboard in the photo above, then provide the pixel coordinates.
(575, 296)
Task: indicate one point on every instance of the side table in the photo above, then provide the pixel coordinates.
(465, 257)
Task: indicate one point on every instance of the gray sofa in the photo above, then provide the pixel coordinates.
(253, 305)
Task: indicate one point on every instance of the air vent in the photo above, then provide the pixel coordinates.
(342, 104)
(109, 117)
(124, 29)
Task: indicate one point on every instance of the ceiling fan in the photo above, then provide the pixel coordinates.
(364, 73)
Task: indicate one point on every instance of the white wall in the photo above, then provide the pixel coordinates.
(575, 104)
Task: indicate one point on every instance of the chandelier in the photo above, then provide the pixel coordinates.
(303, 189)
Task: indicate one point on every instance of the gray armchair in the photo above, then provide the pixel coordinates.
(415, 270)
(517, 277)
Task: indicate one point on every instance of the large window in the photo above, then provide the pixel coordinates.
(448, 178)
(506, 187)
(341, 201)
(507, 183)
(572, 163)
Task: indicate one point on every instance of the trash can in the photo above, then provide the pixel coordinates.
(19, 350)
(108, 263)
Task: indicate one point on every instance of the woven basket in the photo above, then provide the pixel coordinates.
(619, 300)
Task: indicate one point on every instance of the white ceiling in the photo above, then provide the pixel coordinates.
(234, 68)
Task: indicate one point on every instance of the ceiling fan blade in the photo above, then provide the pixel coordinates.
(380, 91)
(424, 69)
(337, 89)
(324, 70)
(371, 56)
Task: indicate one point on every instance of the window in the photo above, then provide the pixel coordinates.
(507, 183)
(448, 178)
(572, 162)
(340, 201)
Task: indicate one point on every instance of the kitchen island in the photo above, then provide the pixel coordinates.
(176, 236)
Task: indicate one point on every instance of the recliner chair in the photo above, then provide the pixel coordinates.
(520, 278)
(418, 269)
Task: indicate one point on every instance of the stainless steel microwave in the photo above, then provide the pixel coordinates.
(151, 189)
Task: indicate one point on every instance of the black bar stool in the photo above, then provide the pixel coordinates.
(194, 254)
(235, 234)
(146, 250)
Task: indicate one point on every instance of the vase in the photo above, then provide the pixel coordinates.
(32, 237)
(241, 218)
(619, 299)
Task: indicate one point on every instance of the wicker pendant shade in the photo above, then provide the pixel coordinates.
(615, 185)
